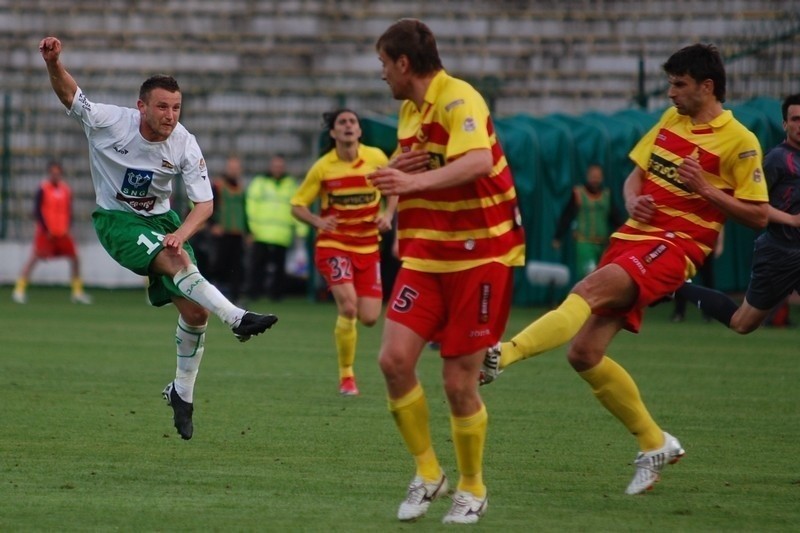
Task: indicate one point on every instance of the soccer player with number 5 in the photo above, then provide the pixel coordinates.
(134, 155)
(460, 234)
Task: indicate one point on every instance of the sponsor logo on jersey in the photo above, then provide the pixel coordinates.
(454, 103)
(167, 164)
(119, 150)
(666, 170)
(136, 182)
(138, 204)
(435, 161)
(353, 199)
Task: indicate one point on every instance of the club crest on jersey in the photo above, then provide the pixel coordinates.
(469, 125)
(757, 175)
(136, 182)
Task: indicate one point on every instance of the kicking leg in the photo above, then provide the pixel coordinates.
(194, 287)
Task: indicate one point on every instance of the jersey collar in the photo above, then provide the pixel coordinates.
(435, 88)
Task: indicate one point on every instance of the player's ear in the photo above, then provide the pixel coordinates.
(708, 86)
(403, 64)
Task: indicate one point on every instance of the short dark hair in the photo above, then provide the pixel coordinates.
(792, 99)
(329, 121)
(413, 39)
(54, 163)
(159, 81)
(701, 62)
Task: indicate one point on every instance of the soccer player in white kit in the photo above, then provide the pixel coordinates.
(134, 155)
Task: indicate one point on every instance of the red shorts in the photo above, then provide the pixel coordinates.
(657, 268)
(47, 246)
(463, 311)
(363, 271)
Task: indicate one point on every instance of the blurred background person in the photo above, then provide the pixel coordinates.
(229, 228)
(52, 211)
(272, 227)
(348, 232)
(591, 217)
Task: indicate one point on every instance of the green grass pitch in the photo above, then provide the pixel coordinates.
(87, 443)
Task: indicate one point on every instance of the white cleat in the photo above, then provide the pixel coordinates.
(419, 497)
(490, 368)
(650, 464)
(81, 298)
(466, 509)
(19, 297)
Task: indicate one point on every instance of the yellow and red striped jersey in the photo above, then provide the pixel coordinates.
(468, 225)
(731, 159)
(345, 192)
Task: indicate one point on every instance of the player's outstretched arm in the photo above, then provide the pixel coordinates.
(781, 217)
(63, 83)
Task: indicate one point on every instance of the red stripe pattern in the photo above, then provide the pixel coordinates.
(474, 223)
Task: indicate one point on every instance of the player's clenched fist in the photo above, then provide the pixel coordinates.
(50, 48)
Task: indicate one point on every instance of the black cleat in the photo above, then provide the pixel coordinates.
(182, 411)
(252, 324)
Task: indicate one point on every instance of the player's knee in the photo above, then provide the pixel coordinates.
(368, 320)
(582, 356)
(743, 328)
(195, 315)
(348, 310)
(459, 391)
(395, 363)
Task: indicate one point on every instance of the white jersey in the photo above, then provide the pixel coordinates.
(130, 173)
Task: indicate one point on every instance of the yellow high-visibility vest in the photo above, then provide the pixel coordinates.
(269, 213)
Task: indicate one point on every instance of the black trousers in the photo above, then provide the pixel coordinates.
(267, 270)
(229, 264)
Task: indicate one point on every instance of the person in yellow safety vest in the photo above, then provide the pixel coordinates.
(273, 229)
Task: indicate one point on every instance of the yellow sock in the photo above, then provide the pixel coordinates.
(411, 416)
(346, 335)
(547, 332)
(469, 436)
(617, 391)
(77, 286)
(21, 285)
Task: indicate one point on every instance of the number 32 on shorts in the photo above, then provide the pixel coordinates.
(341, 269)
